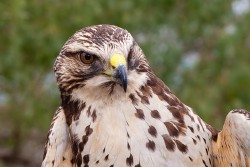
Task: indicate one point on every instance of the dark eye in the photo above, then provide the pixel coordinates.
(87, 58)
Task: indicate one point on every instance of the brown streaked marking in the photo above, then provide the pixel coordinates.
(132, 62)
(191, 129)
(180, 126)
(172, 130)
(127, 123)
(86, 159)
(130, 160)
(139, 114)
(138, 165)
(142, 68)
(195, 142)
(106, 157)
(81, 146)
(128, 146)
(144, 99)
(71, 108)
(84, 141)
(112, 86)
(75, 143)
(169, 143)
(88, 130)
(188, 114)
(152, 131)
(182, 147)
(213, 131)
(133, 99)
(191, 159)
(73, 82)
(200, 153)
(198, 127)
(79, 160)
(101, 34)
(146, 91)
(80, 108)
(243, 112)
(204, 140)
(204, 163)
(155, 114)
(109, 85)
(150, 145)
(72, 160)
(128, 135)
(93, 115)
(176, 112)
(199, 119)
(157, 86)
(89, 111)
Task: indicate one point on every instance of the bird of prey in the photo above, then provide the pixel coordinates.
(116, 112)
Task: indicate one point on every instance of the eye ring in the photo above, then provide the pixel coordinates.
(86, 58)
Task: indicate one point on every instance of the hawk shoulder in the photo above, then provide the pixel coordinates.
(57, 148)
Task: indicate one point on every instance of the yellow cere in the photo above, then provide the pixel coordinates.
(117, 59)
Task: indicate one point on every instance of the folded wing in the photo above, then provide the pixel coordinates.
(232, 145)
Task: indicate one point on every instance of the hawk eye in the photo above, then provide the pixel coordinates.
(87, 58)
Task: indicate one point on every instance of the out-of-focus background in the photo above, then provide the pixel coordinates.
(201, 49)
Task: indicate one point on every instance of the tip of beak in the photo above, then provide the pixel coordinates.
(125, 85)
(121, 75)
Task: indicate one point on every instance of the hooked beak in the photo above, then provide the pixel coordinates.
(121, 75)
(118, 62)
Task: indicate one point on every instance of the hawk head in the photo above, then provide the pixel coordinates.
(100, 60)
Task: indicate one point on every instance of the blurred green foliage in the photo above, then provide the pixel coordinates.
(200, 49)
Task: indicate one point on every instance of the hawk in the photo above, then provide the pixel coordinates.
(116, 112)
